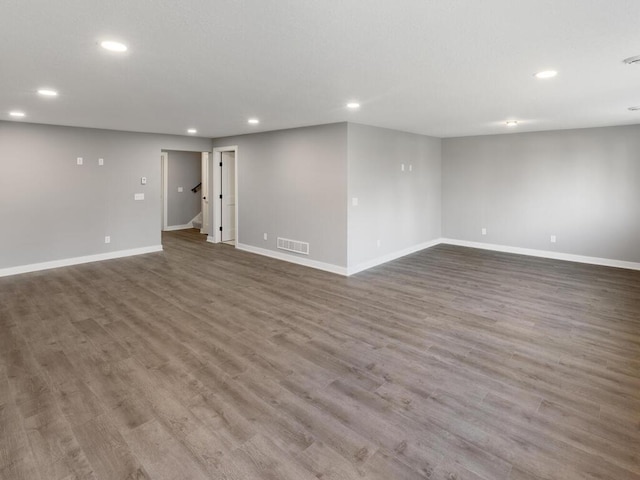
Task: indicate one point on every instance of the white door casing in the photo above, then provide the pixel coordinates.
(204, 190)
(164, 171)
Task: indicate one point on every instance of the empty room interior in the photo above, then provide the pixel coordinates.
(304, 239)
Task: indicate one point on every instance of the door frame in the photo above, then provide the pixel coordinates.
(205, 198)
(217, 191)
(164, 172)
(205, 169)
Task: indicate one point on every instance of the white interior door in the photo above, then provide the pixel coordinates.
(204, 190)
(228, 184)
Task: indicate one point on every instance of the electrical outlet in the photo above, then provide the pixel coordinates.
(264, 236)
(79, 161)
(410, 167)
(138, 196)
(553, 239)
(354, 201)
(378, 243)
(101, 161)
(107, 239)
(180, 189)
(484, 231)
(402, 167)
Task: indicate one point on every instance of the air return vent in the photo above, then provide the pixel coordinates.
(293, 246)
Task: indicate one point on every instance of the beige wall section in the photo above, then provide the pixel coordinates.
(580, 185)
(293, 184)
(53, 209)
(399, 208)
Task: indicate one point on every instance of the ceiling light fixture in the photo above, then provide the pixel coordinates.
(113, 46)
(253, 121)
(546, 74)
(17, 114)
(632, 60)
(635, 109)
(192, 131)
(47, 92)
(512, 123)
(353, 105)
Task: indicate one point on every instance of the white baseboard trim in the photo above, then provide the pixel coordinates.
(327, 267)
(178, 227)
(606, 262)
(211, 239)
(392, 256)
(66, 262)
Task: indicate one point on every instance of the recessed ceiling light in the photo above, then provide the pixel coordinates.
(47, 92)
(353, 105)
(192, 131)
(17, 114)
(632, 60)
(546, 74)
(635, 109)
(253, 121)
(512, 123)
(113, 46)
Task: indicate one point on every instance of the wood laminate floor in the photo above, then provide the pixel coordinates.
(203, 362)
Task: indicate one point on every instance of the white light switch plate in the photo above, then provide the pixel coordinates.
(354, 201)
(101, 161)
(79, 160)
(180, 189)
(143, 180)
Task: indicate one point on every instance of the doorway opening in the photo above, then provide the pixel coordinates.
(185, 191)
(225, 195)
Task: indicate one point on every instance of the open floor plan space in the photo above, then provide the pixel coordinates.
(205, 362)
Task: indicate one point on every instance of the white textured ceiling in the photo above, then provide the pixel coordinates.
(438, 67)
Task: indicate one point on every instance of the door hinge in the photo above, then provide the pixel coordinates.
(220, 196)
(220, 228)
(220, 163)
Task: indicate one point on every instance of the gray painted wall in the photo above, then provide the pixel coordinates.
(581, 185)
(399, 208)
(185, 170)
(293, 184)
(52, 209)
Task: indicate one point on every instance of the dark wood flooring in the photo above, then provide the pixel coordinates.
(203, 362)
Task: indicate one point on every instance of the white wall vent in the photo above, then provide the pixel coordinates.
(293, 246)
